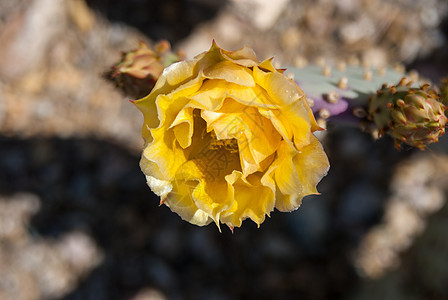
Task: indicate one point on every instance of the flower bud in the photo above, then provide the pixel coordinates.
(139, 69)
(414, 116)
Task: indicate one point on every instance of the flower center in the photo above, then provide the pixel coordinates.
(230, 145)
(215, 158)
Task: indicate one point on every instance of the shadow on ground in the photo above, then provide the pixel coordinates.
(96, 186)
(170, 19)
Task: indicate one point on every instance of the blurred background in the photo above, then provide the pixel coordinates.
(77, 220)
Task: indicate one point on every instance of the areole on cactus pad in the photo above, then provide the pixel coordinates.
(381, 101)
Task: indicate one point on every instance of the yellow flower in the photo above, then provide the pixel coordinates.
(229, 138)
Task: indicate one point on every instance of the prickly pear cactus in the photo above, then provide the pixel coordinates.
(343, 90)
(139, 69)
(414, 116)
(409, 112)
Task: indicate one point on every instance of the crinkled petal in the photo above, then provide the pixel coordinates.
(260, 136)
(180, 201)
(228, 126)
(165, 153)
(213, 92)
(311, 164)
(267, 65)
(168, 106)
(174, 76)
(292, 122)
(286, 176)
(212, 194)
(280, 89)
(183, 127)
(298, 172)
(230, 72)
(251, 200)
(245, 56)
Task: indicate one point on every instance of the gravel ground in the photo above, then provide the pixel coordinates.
(77, 220)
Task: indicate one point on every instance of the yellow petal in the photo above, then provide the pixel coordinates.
(168, 106)
(213, 197)
(298, 172)
(311, 164)
(296, 116)
(228, 126)
(165, 152)
(230, 72)
(244, 56)
(150, 118)
(212, 194)
(251, 200)
(279, 88)
(292, 122)
(181, 202)
(260, 136)
(183, 127)
(211, 94)
(156, 108)
(248, 163)
(210, 57)
(286, 176)
(151, 168)
(173, 76)
(267, 65)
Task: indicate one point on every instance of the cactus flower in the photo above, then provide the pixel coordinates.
(228, 138)
(414, 116)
